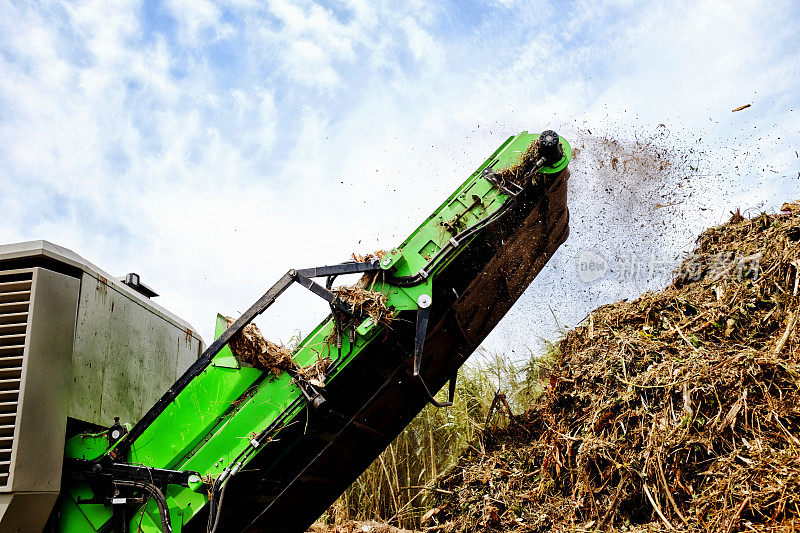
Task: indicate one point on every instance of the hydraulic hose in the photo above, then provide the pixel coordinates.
(215, 521)
(157, 495)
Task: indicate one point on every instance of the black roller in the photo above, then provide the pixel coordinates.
(550, 147)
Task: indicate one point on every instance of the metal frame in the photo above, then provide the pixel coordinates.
(302, 277)
(93, 470)
(240, 424)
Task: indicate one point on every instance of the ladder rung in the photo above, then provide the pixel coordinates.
(10, 286)
(10, 384)
(10, 372)
(10, 329)
(12, 350)
(14, 318)
(9, 395)
(16, 339)
(15, 307)
(17, 296)
(11, 361)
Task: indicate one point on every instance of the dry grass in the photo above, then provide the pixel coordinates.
(251, 347)
(521, 171)
(399, 488)
(357, 527)
(366, 302)
(361, 296)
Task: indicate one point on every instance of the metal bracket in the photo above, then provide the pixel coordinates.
(491, 176)
(325, 294)
(432, 399)
(85, 469)
(342, 269)
(423, 314)
(312, 395)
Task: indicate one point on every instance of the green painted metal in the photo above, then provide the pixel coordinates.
(209, 426)
(225, 358)
(87, 446)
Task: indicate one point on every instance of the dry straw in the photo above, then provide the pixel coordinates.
(677, 411)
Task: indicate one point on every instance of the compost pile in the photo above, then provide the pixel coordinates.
(250, 346)
(677, 411)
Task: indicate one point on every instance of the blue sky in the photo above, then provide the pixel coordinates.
(211, 146)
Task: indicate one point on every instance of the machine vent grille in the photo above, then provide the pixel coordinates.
(15, 298)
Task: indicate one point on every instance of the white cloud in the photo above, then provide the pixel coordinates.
(310, 64)
(421, 43)
(331, 130)
(199, 21)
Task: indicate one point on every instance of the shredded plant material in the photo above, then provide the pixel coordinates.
(356, 527)
(364, 258)
(361, 295)
(315, 373)
(518, 173)
(252, 348)
(366, 301)
(677, 411)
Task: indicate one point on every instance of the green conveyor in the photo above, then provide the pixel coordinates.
(237, 449)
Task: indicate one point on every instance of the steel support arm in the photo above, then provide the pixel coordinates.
(302, 276)
(342, 269)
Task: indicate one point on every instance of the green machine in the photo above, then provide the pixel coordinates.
(229, 447)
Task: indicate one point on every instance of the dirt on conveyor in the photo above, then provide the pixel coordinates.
(679, 410)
